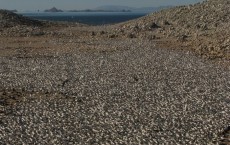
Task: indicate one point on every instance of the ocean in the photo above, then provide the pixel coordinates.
(91, 18)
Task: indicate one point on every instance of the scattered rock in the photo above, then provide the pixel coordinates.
(131, 35)
(93, 33)
(153, 26)
(112, 36)
(182, 38)
(102, 32)
(38, 33)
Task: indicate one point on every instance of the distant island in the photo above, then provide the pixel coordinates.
(112, 8)
(91, 10)
(133, 9)
(53, 9)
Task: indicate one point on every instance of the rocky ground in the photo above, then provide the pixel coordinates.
(63, 83)
(203, 27)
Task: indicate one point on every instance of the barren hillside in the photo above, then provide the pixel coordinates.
(204, 26)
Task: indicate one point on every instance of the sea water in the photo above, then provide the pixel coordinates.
(91, 18)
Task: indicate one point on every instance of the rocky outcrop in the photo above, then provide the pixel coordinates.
(205, 26)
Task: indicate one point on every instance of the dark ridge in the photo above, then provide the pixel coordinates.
(9, 19)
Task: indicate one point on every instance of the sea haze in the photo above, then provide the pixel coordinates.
(91, 18)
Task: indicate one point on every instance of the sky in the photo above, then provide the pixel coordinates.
(24, 5)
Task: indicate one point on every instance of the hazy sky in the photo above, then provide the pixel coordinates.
(83, 4)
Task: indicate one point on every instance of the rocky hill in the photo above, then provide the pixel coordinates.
(204, 26)
(10, 19)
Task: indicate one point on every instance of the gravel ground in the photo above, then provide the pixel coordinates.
(137, 94)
